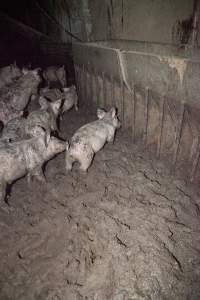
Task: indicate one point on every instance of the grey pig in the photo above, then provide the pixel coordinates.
(14, 99)
(14, 130)
(70, 99)
(55, 74)
(26, 158)
(9, 73)
(51, 94)
(46, 117)
(7, 112)
(24, 88)
(17, 130)
(20, 128)
(90, 138)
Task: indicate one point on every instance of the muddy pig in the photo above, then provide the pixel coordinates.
(70, 99)
(90, 138)
(14, 99)
(23, 128)
(7, 113)
(54, 74)
(25, 87)
(46, 117)
(26, 157)
(8, 74)
(14, 130)
(51, 94)
(17, 130)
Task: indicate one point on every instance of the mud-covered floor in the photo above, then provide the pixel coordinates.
(126, 230)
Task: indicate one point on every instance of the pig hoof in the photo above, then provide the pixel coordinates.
(29, 178)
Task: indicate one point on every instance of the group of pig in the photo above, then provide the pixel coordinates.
(29, 112)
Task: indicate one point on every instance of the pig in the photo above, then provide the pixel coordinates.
(70, 99)
(14, 130)
(51, 94)
(8, 74)
(3, 142)
(54, 74)
(26, 158)
(46, 117)
(90, 138)
(26, 68)
(7, 113)
(18, 129)
(25, 87)
(14, 99)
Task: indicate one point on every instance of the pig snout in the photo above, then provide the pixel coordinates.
(56, 145)
(116, 123)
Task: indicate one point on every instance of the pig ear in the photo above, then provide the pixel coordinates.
(56, 105)
(36, 71)
(41, 131)
(15, 65)
(38, 131)
(24, 71)
(66, 89)
(100, 113)
(43, 103)
(113, 112)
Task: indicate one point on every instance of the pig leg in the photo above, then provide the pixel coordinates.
(111, 138)
(2, 190)
(3, 203)
(38, 174)
(47, 137)
(85, 160)
(76, 106)
(69, 160)
(33, 97)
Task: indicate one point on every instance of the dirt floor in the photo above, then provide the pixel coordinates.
(126, 230)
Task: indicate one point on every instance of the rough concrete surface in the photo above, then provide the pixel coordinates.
(126, 230)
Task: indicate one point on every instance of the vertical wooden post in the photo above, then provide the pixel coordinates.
(162, 111)
(122, 100)
(133, 106)
(146, 115)
(178, 135)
